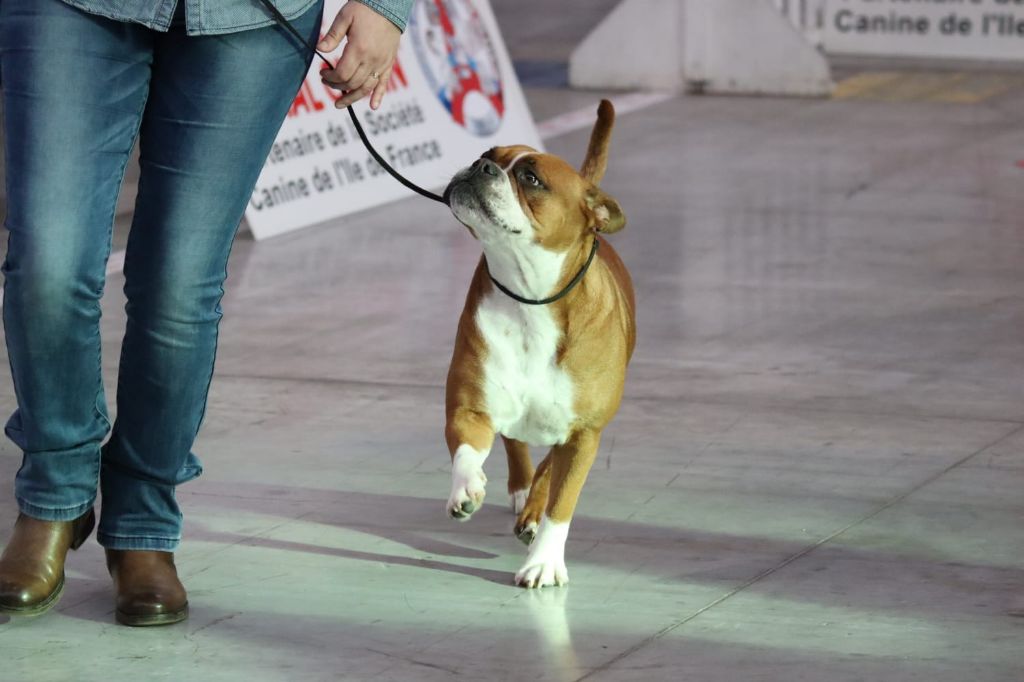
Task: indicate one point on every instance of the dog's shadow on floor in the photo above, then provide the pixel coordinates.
(410, 521)
(494, 576)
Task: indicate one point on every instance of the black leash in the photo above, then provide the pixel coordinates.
(287, 25)
(561, 294)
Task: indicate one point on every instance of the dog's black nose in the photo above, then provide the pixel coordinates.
(486, 166)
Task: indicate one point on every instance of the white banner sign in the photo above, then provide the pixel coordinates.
(452, 96)
(965, 29)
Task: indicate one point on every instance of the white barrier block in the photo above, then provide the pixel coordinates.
(748, 46)
(725, 46)
(638, 45)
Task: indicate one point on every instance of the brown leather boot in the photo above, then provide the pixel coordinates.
(148, 589)
(32, 565)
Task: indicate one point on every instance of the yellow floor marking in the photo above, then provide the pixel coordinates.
(960, 87)
(863, 83)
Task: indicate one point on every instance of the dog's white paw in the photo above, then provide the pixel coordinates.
(542, 574)
(517, 500)
(468, 483)
(467, 496)
(545, 563)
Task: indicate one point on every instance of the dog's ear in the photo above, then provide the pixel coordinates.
(603, 213)
(596, 160)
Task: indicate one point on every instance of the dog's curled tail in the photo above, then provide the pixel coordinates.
(596, 161)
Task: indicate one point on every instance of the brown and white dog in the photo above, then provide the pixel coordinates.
(546, 375)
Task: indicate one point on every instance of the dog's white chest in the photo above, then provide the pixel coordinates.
(529, 397)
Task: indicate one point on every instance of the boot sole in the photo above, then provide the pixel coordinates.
(136, 620)
(36, 609)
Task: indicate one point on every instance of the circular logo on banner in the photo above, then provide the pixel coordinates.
(459, 62)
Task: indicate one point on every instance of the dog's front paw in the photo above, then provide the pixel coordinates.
(545, 563)
(468, 483)
(467, 496)
(542, 574)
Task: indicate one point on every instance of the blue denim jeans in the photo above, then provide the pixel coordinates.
(77, 91)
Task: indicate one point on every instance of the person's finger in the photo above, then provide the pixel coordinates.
(380, 89)
(360, 78)
(337, 31)
(345, 80)
(355, 54)
(329, 77)
(355, 95)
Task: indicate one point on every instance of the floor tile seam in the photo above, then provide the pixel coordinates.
(917, 163)
(799, 555)
(63, 608)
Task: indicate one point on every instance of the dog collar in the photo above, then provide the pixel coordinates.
(551, 299)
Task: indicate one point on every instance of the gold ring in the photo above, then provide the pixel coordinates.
(374, 75)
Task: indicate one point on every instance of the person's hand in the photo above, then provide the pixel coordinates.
(366, 61)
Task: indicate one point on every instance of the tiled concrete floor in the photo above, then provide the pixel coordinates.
(816, 473)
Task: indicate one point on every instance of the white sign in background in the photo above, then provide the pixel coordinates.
(453, 95)
(957, 29)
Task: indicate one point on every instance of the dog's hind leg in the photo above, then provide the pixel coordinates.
(530, 516)
(570, 464)
(520, 473)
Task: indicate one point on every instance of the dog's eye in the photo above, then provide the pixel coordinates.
(531, 178)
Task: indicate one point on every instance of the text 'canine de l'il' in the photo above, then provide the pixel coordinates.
(543, 343)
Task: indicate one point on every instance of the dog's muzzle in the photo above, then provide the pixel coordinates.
(482, 172)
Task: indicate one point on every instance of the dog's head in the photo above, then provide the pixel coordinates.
(513, 194)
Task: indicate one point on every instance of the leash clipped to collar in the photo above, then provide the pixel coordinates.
(561, 294)
(287, 25)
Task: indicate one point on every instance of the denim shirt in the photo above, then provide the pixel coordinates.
(205, 17)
